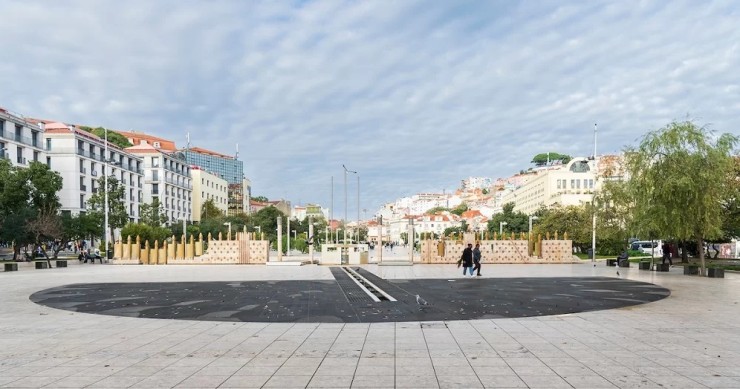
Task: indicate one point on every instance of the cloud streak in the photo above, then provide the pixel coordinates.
(414, 96)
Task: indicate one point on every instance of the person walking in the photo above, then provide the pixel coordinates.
(667, 253)
(467, 259)
(476, 259)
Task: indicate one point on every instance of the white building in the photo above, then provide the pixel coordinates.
(79, 157)
(20, 140)
(573, 184)
(472, 183)
(207, 186)
(435, 224)
(166, 177)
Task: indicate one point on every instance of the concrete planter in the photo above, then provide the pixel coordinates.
(611, 262)
(11, 266)
(61, 263)
(691, 270)
(662, 267)
(644, 265)
(715, 273)
(41, 264)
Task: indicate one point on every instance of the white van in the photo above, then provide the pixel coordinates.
(648, 247)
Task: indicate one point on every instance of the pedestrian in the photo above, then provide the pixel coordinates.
(467, 259)
(476, 259)
(667, 253)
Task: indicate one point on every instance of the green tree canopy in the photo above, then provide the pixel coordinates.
(209, 210)
(153, 213)
(682, 176)
(113, 137)
(542, 158)
(117, 213)
(435, 210)
(261, 199)
(515, 221)
(459, 209)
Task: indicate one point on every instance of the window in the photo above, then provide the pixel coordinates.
(82, 201)
(559, 184)
(48, 144)
(48, 162)
(19, 156)
(578, 184)
(2, 127)
(155, 161)
(591, 184)
(36, 156)
(572, 184)
(156, 144)
(18, 132)
(35, 138)
(155, 175)
(155, 189)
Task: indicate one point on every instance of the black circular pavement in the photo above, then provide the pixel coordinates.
(329, 301)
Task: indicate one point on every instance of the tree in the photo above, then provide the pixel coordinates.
(573, 219)
(23, 192)
(543, 158)
(681, 177)
(45, 226)
(266, 219)
(459, 209)
(209, 210)
(435, 210)
(515, 221)
(261, 199)
(113, 137)
(152, 214)
(117, 214)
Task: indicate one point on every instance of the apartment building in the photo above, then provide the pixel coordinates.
(572, 184)
(166, 177)
(80, 158)
(20, 139)
(207, 186)
(436, 223)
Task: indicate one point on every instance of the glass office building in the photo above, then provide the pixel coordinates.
(227, 167)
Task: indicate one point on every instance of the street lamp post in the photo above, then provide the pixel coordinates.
(228, 224)
(529, 234)
(593, 202)
(530, 226)
(501, 227)
(105, 188)
(345, 200)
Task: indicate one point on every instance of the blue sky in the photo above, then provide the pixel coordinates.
(415, 96)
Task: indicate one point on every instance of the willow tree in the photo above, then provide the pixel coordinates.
(681, 176)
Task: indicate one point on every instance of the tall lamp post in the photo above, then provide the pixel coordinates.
(228, 224)
(105, 188)
(593, 202)
(529, 234)
(345, 200)
(501, 227)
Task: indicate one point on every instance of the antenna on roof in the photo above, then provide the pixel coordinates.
(237, 151)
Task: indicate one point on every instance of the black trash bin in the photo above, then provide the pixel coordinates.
(109, 254)
(590, 253)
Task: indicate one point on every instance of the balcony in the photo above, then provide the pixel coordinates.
(83, 188)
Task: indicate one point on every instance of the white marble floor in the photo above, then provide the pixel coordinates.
(688, 340)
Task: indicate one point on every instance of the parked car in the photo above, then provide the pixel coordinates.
(648, 247)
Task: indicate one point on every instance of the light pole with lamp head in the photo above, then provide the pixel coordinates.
(345, 200)
(529, 234)
(228, 224)
(501, 227)
(105, 188)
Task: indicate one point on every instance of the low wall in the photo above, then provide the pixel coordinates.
(498, 251)
(240, 250)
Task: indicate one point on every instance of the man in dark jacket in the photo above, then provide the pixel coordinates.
(476, 259)
(467, 259)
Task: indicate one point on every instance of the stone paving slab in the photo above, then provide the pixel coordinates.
(689, 339)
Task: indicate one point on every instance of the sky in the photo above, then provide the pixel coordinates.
(413, 95)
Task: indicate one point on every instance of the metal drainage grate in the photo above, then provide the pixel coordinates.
(350, 288)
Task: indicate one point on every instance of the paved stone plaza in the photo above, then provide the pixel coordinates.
(690, 339)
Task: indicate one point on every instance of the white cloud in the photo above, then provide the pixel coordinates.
(413, 95)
